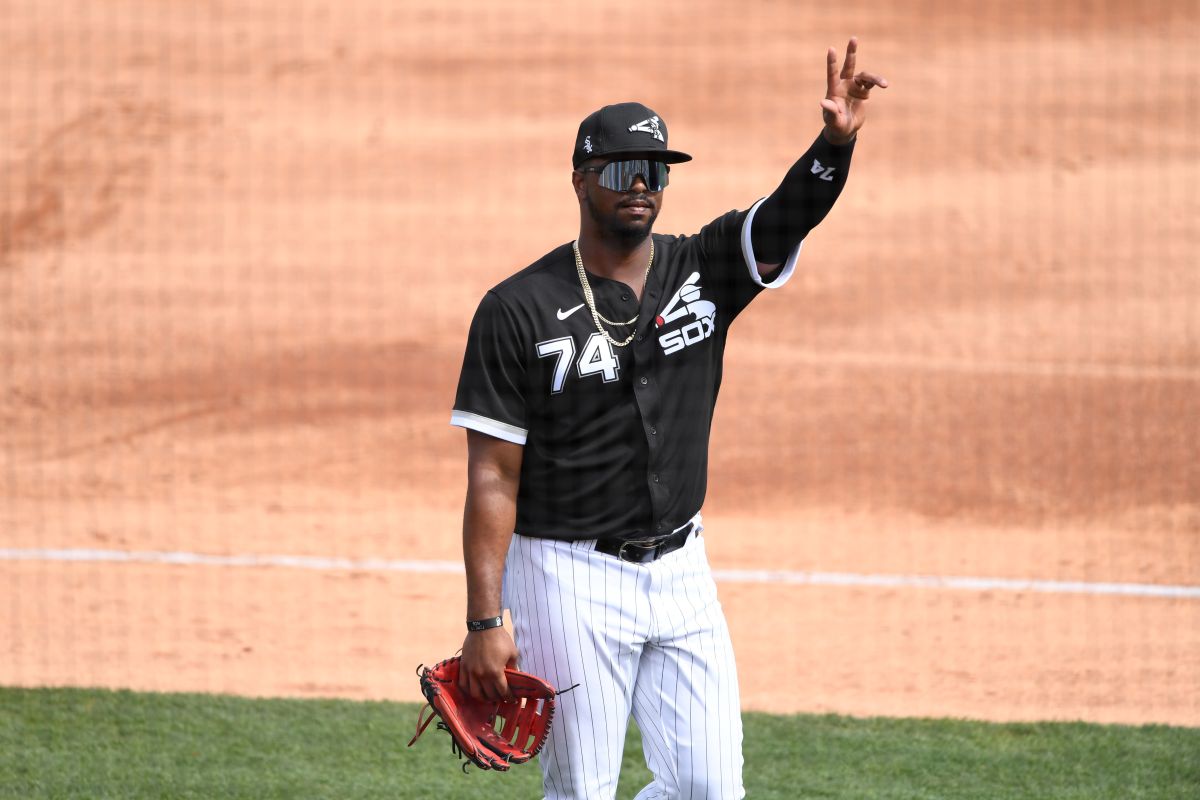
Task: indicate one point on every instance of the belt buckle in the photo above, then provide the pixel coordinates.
(646, 546)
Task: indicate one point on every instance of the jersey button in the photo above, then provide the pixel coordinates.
(653, 431)
(625, 297)
(656, 477)
(643, 380)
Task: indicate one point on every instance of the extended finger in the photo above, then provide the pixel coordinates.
(831, 70)
(851, 51)
(869, 79)
(863, 83)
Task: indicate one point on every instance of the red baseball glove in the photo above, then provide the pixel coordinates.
(492, 734)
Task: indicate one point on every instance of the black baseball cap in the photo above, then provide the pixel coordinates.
(624, 129)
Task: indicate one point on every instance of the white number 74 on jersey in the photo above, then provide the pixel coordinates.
(597, 358)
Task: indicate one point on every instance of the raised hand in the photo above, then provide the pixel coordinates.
(845, 105)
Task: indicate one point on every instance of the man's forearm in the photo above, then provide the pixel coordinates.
(805, 196)
(488, 523)
(490, 515)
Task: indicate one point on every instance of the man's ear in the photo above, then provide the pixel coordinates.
(577, 181)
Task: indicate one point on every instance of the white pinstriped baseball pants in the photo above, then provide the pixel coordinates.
(647, 638)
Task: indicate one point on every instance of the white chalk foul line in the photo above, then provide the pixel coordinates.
(957, 582)
(1050, 369)
(847, 579)
(323, 563)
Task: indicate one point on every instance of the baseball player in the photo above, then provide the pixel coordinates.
(587, 391)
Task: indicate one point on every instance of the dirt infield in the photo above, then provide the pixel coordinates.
(240, 245)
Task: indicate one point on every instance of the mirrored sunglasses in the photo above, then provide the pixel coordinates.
(619, 175)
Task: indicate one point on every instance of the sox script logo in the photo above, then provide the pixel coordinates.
(687, 301)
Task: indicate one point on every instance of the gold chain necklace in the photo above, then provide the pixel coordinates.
(597, 317)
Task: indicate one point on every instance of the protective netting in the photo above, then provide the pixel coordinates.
(240, 245)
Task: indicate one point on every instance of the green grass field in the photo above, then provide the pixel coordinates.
(74, 743)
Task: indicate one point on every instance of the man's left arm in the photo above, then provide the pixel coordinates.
(813, 184)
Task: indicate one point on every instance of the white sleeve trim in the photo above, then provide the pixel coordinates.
(748, 252)
(492, 427)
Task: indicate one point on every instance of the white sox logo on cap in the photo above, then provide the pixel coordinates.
(649, 126)
(614, 132)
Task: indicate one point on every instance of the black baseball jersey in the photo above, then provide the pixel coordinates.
(615, 438)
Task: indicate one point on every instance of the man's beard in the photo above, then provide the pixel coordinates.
(628, 232)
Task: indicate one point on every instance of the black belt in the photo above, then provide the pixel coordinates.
(643, 551)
